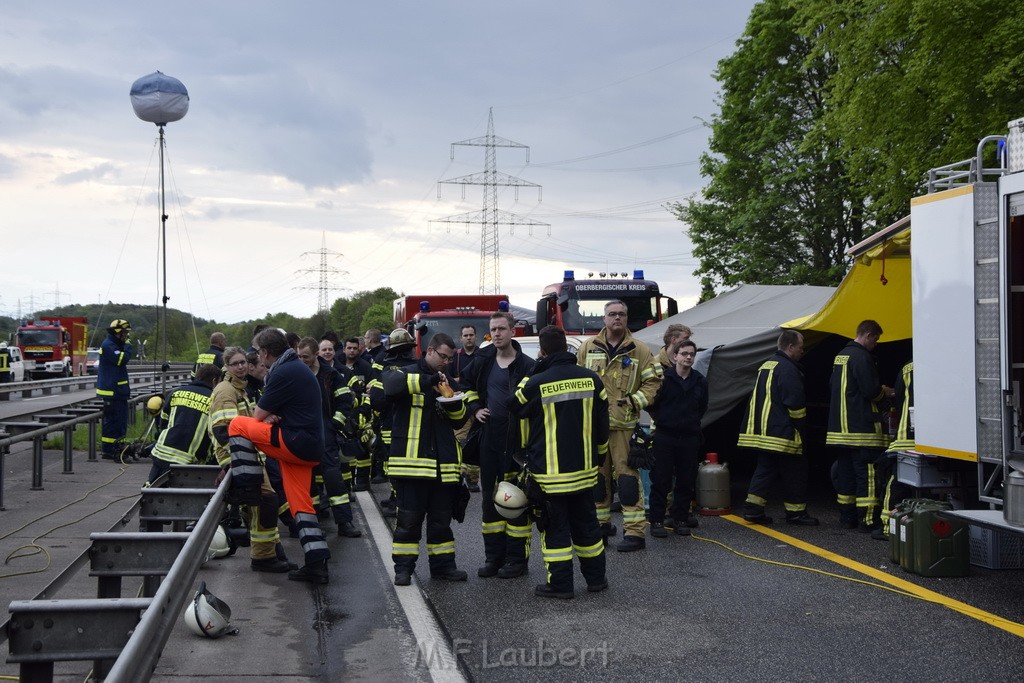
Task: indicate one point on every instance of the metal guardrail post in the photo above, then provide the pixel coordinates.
(37, 463)
(69, 433)
(3, 467)
(92, 440)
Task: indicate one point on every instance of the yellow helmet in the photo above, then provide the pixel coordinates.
(119, 325)
(154, 405)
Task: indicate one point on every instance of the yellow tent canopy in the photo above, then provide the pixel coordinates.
(877, 287)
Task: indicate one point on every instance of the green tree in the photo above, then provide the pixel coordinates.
(918, 84)
(378, 315)
(347, 314)
(778, 208)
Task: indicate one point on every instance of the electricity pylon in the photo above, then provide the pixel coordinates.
(323, 287)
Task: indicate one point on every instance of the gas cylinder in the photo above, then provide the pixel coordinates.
(1013, 498)
(713, 487)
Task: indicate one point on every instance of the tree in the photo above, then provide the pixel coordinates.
(347, 314)
(918, 84)
(778, 208)
(380, 316)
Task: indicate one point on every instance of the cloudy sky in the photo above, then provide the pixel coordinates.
(324, 122)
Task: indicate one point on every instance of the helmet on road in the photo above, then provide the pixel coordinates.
(154, 405)
(399, 338)
(119, 325)
(208, 615)
(509, 500)
(220, 546)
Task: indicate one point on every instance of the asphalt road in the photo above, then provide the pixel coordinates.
(684, 609)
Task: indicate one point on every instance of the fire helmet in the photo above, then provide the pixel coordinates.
(207, 615)
(399, 338)
(220, 546)
(509, 500)
(116, 326)
(154, 405)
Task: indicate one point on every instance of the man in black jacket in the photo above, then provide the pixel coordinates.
(491, 380)
(567, 409)
(677, 410)
(774, 426)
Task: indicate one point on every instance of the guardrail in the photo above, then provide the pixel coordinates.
(124, 637)
(36, 432)
(67, 384)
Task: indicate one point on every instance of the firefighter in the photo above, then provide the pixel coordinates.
(364, 470)
(461, 361)
(567, 409)
(424, 464)
(229, 400)
(213, 355)
(774, 426)
(895, 490)
(112, 386)
(286, 425)
(631, 377)
(490, 381)
(400, 354)
(854, 425)
(338, 413)
(184, 420)
(674, 334)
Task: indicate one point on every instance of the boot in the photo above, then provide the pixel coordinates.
(802, 519)
(403, 577)
(490, 568)
(512, 570)
(631, 544)
(452, 574)
(545, 590)
(348, 530)
(311, 572)
(271, 565)
(279, 551)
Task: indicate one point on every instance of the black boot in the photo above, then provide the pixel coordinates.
(348, 530)
(311, 572)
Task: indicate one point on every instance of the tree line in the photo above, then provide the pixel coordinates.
(187, 334)
(830, 115)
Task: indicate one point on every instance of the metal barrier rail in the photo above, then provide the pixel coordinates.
(129, 634)
(67, 384)
(37, 436)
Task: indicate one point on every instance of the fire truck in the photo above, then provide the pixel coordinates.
(577, 306)
(967, 266)
(426, 315)
(55, 347)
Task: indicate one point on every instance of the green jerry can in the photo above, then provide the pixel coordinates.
(928, 543)
(897, 540)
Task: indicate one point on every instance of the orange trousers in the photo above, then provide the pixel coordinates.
(296, 473)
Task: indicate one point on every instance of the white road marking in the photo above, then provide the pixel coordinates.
(435, 650)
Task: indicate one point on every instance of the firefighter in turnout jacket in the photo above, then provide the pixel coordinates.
(895, 490)
(855, 426)
(399, 354)
(631, 377)
(337, 411)
(112, 386)
(183, 422)
(773, 427)
(425, 461)
(567, 409)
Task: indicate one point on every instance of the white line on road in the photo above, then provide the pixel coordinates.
(434, 649)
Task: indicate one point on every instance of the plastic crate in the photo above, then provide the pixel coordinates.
(996, 549)
(921, 473)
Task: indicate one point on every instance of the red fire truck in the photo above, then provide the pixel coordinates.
(577, 306)
(426, 315)
(54, 347)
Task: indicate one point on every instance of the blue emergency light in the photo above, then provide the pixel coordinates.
(570, 275)
(638, 275)
(503, 306)
(424, 306)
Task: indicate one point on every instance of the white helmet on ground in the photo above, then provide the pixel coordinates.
(220, 546)
(207, 615)
(509, 500)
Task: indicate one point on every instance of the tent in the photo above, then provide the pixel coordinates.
(735, 332)
(877, 287)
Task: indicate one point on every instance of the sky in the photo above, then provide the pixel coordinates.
(324, 126)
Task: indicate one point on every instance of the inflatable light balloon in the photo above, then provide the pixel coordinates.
(159, 98)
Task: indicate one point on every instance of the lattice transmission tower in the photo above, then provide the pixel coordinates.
(323, 273)
(490, 217)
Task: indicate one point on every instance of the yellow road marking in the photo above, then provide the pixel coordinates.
(962, 607)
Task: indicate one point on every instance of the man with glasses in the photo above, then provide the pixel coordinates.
(424, 464)
(632, 378)
(774, 428)
(491, 380)
(678, 408)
